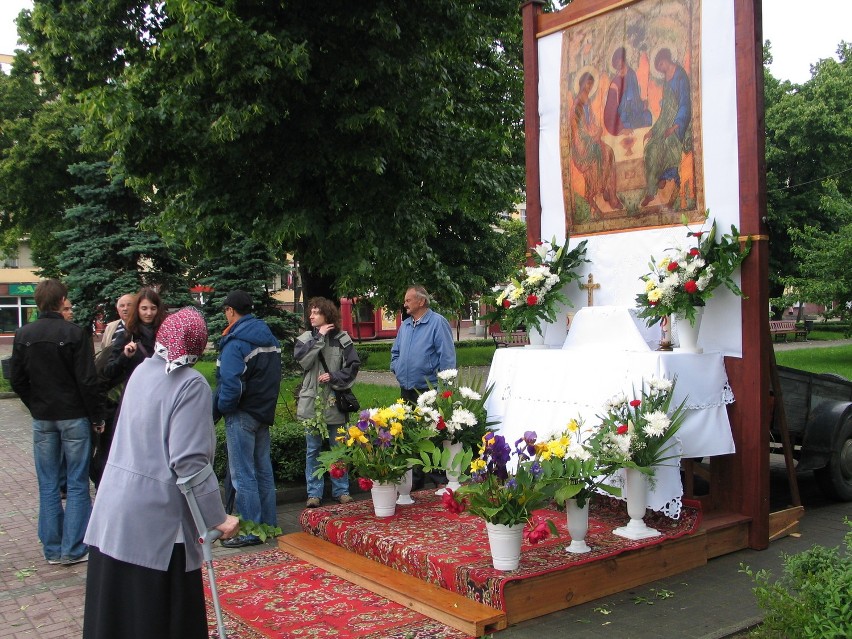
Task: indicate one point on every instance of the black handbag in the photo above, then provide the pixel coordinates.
(344, 400)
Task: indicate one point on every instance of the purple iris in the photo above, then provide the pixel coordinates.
(384, 438)
(536, 470)
(512, 484)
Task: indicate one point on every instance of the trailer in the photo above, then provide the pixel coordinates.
(818, 411)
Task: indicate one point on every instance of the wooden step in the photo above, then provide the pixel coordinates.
(449, 608)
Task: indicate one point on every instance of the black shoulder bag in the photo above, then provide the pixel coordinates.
(345, 400)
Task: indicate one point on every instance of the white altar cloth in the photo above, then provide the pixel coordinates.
(542, 390)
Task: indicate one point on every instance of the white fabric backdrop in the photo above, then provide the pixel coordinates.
(618, 260)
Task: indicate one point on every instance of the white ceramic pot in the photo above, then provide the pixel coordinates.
(505, 542)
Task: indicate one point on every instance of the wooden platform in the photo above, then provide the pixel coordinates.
(536, 596)
(435, 602)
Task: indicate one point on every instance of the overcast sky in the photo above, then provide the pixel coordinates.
(802, 32)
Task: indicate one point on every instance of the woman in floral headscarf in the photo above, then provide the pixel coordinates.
(144, 576)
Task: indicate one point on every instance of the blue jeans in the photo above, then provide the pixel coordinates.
(250, 465)
(316, 485)
(61, 532)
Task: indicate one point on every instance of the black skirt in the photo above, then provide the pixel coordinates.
(127, 601)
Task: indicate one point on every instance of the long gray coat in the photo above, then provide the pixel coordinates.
(165, 431)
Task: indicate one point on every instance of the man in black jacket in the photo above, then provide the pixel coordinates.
(53, 372)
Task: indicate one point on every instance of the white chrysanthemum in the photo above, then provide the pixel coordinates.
(576, 451)
(427, 398)
(622, 442)
(430, 414)
(670, 282)
(615, 402)
(658, 423)
(660, 384)
(469, 393)
(464, 417)
(692, 268)
(448, 375)
(704, 280)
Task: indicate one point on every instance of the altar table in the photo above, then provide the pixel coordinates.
(543, 389)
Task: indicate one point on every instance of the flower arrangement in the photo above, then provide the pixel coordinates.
(640, 432)
(381, 446)
(686, 278)
(456, 410)
(576, 468)
(531, 296)
(501, 496)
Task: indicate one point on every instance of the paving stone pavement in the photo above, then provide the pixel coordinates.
(38, 600)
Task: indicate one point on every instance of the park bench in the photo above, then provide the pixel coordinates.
(508, 339)
(778, 328)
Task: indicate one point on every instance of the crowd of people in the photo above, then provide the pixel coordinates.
(137, 420)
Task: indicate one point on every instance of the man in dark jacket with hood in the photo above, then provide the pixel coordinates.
(248, 374)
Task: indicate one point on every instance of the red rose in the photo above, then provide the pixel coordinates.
(506, 303)
(441, 425)
(364, 483)
(337, 471)
(694, 252)
(622, 430)
(532, 300)
(448, 499)
(635, 403)
(672, 266)
(447, 394)
(690, 286)
(538, 533)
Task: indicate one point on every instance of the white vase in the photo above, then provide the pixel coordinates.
(384, 499)
(687, 333)
(453, 473)
(505, 542)
(636, 493)
(536, 337)
(403, 489)
(578, 526)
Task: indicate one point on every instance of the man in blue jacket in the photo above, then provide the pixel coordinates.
(248, 374)
(423, 346)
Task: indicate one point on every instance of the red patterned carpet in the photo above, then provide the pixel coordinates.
(452, 551)
(273, 594)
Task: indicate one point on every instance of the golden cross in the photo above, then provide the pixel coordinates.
(590, 286)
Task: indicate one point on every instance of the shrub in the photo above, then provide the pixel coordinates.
(811, 600)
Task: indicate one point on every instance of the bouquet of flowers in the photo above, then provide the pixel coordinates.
(640, 433)
(574, 467)
(531, 297)
(501, 496)
(686, 278)
(456, 411)
(381, 446)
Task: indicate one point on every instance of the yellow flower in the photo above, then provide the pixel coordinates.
(655, 295)
(396, 429)
(663, 263)
(650, 285)
(355, 435)
(477, 465)
(573, 426)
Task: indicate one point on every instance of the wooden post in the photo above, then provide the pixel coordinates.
(529, 14)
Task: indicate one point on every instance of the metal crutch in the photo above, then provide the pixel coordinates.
(206, 537)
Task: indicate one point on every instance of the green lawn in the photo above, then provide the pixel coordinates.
(468, 356)
(830, 359)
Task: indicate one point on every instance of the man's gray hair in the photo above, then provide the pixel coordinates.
(420, 291)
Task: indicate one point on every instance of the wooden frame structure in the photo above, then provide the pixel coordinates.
(739, 483)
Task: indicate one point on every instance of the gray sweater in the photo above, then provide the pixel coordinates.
(165, 431)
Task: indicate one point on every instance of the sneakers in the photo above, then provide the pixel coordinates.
(313, 502)
(241, 541)
(78, 560)
(345, 499)
(54, 562)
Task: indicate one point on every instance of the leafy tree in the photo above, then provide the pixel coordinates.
(362, 136)
(808, 134)
(39, 139)
(824, 257)
(105, 252)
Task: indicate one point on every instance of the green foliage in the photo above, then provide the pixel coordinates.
(377, 141)
(808, 134)
(263, 531)
(105, 254)
(811, 599)
(823, 257)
